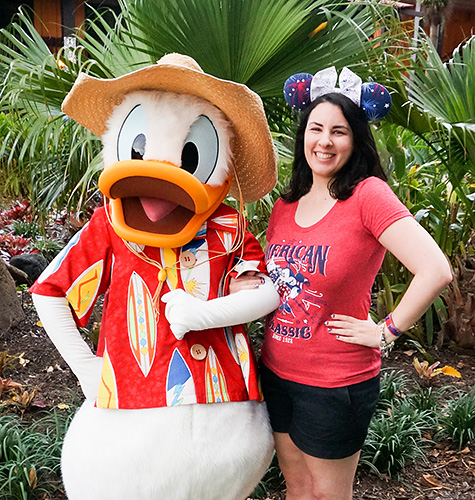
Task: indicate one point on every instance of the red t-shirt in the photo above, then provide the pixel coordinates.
(327, 268)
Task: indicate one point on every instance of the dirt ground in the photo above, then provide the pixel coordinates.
(446, 475)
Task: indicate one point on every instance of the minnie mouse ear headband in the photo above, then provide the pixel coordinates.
(301, 89)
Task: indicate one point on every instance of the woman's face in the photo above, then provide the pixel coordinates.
(328, 141)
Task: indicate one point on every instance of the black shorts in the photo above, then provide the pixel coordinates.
(324, 423)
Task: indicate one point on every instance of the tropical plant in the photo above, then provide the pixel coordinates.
(427, 398)
(459, 325)
(394, 386)
(271, 41)
(441, 91)
(30, 454)
(396, 438)
(43, 155)
(428, 373)
(458, 420)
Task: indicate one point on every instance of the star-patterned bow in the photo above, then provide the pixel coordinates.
(325, 80)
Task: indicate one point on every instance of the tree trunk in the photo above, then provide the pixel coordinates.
(434, 35)
(460, 299)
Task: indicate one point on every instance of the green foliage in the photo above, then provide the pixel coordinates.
(271, 40)
(421, 181)
(396, 438)
(427, 398)
(442, 91)
(44, 156)
(394, 385)
(54, 161)
(27, 229)
(458, 420)
(30, 456)
(49, 248)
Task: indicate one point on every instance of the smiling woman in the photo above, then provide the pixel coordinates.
(321, 352)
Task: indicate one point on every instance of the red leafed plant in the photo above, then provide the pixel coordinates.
(17, 211)
(12, 244)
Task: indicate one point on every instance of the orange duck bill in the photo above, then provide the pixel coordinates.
(157, 203)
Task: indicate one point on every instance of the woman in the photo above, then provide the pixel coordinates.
(326, 241)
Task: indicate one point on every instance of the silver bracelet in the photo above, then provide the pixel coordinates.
(384, 347)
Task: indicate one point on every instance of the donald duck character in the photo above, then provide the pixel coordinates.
(173, 407)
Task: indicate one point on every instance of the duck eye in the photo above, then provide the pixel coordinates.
(189, 157)
(131, 141)
(138, 147)
(200, 151)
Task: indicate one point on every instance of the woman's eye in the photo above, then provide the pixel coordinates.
(132, 141)
(200, 151)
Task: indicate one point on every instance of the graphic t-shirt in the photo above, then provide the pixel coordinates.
(327, 268)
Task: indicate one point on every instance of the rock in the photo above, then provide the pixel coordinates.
(32, 264)
(11, 312)
(20, 277)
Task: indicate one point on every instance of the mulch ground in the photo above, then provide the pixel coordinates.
(447, 474)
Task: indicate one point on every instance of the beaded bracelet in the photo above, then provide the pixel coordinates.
(390, 325)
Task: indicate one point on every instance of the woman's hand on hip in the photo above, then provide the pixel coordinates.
(354, 331)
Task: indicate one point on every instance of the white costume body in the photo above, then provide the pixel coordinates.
(213, 451)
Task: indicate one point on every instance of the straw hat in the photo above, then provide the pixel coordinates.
(91, 101)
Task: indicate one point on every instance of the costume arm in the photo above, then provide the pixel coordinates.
(185, 312)
(57, 320)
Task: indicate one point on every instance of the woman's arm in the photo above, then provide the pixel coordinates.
(412, 245)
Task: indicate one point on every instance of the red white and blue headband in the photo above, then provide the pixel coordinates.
(303, 88)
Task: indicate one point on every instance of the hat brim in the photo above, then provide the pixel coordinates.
(92, 100)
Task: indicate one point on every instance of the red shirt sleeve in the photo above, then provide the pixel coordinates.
(80, 272)
(379, 205)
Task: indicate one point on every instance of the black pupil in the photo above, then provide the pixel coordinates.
(138, 147)
(189, 157)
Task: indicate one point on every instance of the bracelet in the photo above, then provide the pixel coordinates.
(384, 347)
(390, 325)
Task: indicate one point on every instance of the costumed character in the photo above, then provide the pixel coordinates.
(176, 141)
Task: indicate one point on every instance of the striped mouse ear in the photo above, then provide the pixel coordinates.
(375, 101)
(297, 91)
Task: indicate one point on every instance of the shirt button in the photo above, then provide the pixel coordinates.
(187, 259)
(198, 352)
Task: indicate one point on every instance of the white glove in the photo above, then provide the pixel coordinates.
(185, 312)
(57, 320)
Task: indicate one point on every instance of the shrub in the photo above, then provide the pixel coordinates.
(30, 455)
(394, 386)
(396, 438)
(427, 398)
(458, 420)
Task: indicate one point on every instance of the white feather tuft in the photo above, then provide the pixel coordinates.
(169, 118)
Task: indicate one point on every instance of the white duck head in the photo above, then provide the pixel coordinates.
(176, 141)
(167, 166)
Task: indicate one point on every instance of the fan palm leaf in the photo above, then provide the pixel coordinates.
(261, 43)
(443, 92)
(256, 42)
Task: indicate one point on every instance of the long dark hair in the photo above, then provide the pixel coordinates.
(364, 161)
